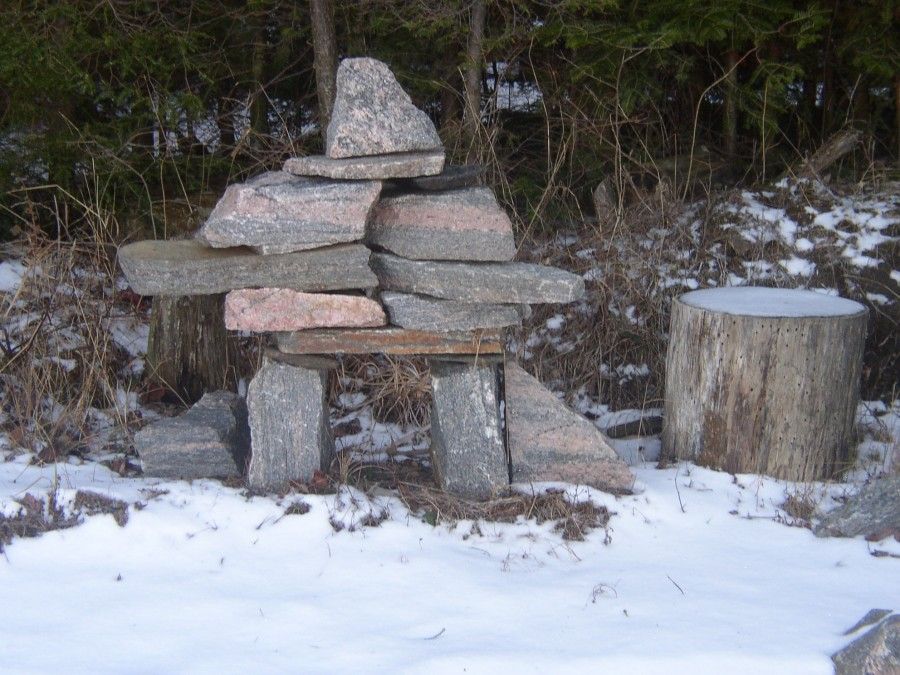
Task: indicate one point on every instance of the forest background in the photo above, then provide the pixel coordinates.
(146, 110)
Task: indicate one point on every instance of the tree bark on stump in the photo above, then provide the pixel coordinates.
(188, 349)
(764, 381)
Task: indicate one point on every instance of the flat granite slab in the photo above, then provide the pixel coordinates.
(374, 167)
(466, 224)
(280, 309)
(419, 312)
(277, 212)
(501, 283)
(190, 267)
(388, 341)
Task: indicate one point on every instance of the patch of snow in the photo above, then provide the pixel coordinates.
(11, 273)
(566, 239)
(878, 298)
(804, 245)
(635, 451)
(774, 302)
(556, 322)
(829, 220)
(216, 581)
(131, 333)
(799, 267)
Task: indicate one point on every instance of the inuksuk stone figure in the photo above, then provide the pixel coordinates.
(374, 247)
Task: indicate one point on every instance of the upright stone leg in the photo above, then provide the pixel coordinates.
(289, 430)
(467, 447)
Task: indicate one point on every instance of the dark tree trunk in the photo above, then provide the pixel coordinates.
(862, 103)
(829, 97)
(324, 57)
(731, 110)
(807, 123)
(897, 114)
(259, 105)
(451, 111)
(474, 56)
(188, 351)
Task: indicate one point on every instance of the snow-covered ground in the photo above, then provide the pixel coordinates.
(701, 575)
(699, 572)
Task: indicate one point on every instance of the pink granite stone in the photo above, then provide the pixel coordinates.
(549, 442)
(465, 224)
(372, 114)
(281, 309)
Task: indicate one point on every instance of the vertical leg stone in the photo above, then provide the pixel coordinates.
(467, 448)
(289, 430)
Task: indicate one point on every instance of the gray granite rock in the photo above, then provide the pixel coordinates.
(391, 340)
(374, 167)
(549, 442)
(420, 312)
(189, 267)
(308, 361)
(280, 212)
(873, 512)
(211, 440)
(502, 283)
(372, 114)
(465, 224)
(467, 447)
(454, 177)
(875, 652)
(289, 429)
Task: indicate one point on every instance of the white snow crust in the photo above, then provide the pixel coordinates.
(771, 302)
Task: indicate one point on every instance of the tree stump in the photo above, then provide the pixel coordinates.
(188, 351)
(764, 380)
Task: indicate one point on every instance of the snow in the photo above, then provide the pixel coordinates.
(556, 322)
(774, 302)
(203, 578)
(11, 273)
(799, 266)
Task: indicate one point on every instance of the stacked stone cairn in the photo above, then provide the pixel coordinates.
(374, 247)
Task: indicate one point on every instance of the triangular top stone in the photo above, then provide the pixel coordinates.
(373, 115)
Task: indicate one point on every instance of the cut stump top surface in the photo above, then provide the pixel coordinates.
(770, 302)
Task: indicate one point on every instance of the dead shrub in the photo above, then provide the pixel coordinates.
(613, 343)
(61, 364)
(398, 388)
(91, 504)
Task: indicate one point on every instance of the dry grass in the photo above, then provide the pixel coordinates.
(416, 488)
(801, 503)
(573, 521)
(35, 517)
(660, 247)
(398, 388)
(59, 363)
